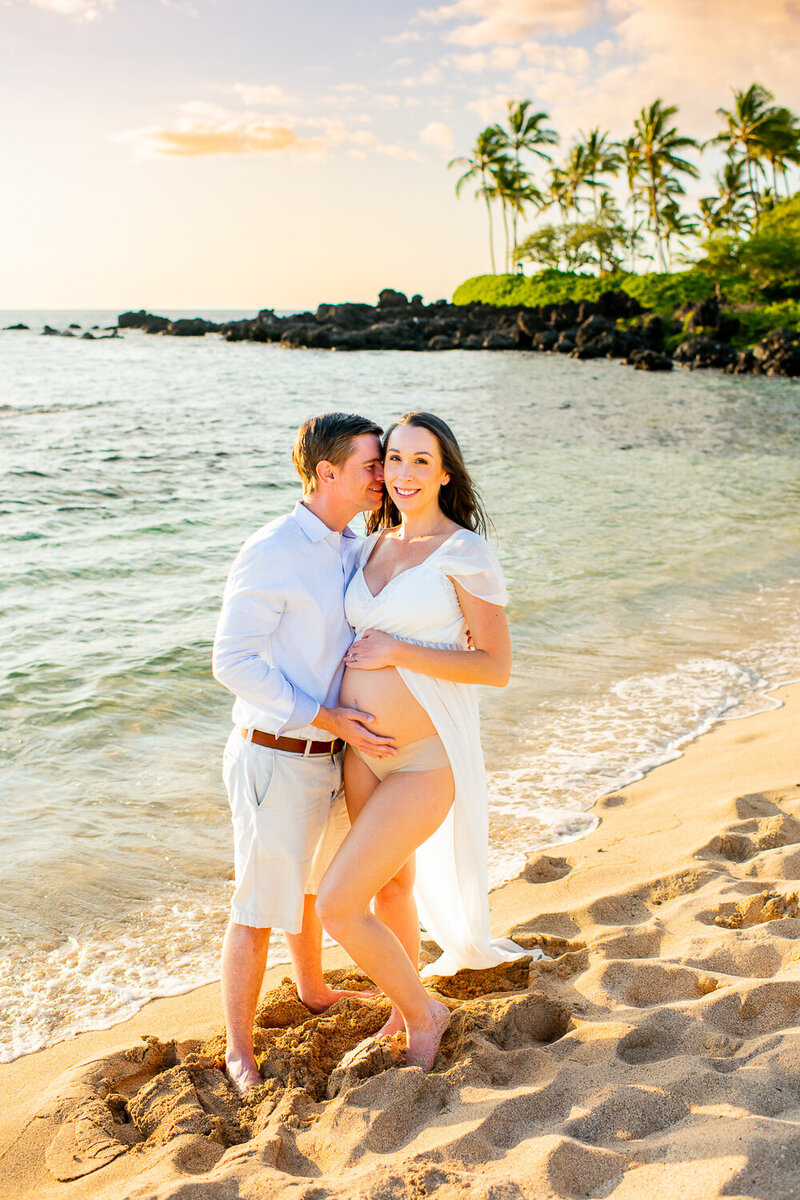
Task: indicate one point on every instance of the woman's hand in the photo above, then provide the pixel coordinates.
(372, 651)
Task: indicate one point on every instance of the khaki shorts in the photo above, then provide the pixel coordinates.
(289, 819)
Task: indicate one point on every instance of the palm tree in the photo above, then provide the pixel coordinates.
(487, 159)
(658, 144)
(576, 172)
(557, 191)
(602, 157)
(632, 162)
(524, 132)
(732, 191)
(676, 225)
(751, 122)
(781, 146)
(514, 191)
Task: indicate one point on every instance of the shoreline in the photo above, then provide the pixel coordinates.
(662, 827)
(672, 751)
(614, 324)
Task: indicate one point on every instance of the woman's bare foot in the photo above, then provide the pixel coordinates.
(394, 1025)
(243, 1073)
(321, 999)
(423, 1043)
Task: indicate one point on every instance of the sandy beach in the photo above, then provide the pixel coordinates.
(655, 1053)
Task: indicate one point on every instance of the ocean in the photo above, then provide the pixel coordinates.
(647, 525)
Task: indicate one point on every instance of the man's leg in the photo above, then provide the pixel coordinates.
(244, 958)
(305, 949)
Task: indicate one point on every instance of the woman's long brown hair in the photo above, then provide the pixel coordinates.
(458, 499)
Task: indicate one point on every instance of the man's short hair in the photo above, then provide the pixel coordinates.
(327, 439)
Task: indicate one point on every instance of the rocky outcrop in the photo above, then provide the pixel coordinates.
(776, 354)
(706, 317)
(184, 327)
(613, 326)
(703, 352)
(649, 360)
(149, 322)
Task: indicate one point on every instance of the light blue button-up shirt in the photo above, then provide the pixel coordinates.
(282, 632)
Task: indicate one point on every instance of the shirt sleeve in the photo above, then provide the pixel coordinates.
(252, 606)
(469, 560)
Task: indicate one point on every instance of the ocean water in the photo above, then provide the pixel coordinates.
(648, 527)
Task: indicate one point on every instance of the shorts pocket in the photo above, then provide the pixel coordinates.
(266, 770)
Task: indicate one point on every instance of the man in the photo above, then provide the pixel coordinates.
(279, 646)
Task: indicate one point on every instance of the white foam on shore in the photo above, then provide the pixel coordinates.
(109, 974)
(587, 748)
(581, 750)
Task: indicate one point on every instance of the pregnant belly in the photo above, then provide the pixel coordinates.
(383, 694)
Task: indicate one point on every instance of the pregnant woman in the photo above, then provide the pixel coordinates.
(426, 577)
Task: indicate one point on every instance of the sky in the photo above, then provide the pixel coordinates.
(179, 154)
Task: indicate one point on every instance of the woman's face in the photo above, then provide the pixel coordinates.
(412, 469)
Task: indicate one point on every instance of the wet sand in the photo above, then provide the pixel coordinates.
(656, 1053)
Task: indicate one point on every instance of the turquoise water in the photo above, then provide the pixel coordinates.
(648, 526)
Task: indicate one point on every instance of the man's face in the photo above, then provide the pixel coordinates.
(360, 478)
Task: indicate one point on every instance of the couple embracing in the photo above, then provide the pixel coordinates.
(370, 647)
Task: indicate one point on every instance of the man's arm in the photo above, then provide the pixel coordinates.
(252, 607)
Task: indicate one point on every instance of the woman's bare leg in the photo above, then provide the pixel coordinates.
(403, 811)
(394, 903)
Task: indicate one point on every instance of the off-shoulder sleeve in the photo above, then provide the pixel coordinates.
(468, 559)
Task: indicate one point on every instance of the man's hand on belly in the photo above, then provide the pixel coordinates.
(350, 724)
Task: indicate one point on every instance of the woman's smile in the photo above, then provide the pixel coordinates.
(413, 470)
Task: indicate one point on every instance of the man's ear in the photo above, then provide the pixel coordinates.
(326, 471)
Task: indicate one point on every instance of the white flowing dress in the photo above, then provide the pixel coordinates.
(421, 605)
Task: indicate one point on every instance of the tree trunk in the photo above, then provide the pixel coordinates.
(753, 192)
(515, 214)
(654, 216)
(491, 228)
(505, 229)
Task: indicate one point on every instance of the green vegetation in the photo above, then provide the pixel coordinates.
(758, 278)
(662, 293)
(756, 323)
(765, 266)
(589, 231)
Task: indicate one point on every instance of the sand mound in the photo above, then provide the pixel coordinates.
(657, 1054)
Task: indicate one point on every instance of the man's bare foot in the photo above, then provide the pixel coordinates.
(322, 998)
(394, 1025)
(423, 1043)
(242, 1073)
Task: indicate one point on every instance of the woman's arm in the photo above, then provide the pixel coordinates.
(489, 662)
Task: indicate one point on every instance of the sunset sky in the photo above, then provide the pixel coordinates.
(244, 153)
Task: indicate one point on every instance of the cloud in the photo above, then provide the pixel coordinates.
(83, 10)
(207, 131)
(439, 136)
(205, 139)
(491, 22)
(691, 55)
(400, 39)
(490, 105)
(260, 95)
(430, 77)
(557, 58)
(500, 58)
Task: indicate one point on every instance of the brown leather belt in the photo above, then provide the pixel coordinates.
(292, 745)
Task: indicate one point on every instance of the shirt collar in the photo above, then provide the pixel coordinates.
(315, 529)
